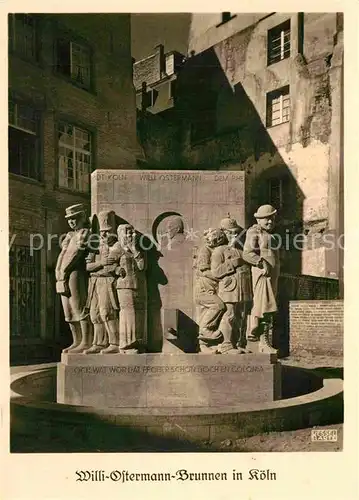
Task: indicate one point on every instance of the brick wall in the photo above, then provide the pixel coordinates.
(303, 287)
(108, 111)
(292, 289)
(147, 70)
(316, 326)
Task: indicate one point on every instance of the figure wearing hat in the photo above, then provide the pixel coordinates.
(234, 286)
(131, 290)
(71, 278)
(102, 301)
(261, 251)
(206, 290)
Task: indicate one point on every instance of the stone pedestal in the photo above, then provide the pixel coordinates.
(168, 380)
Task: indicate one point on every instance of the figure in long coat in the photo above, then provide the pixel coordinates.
(262, 252)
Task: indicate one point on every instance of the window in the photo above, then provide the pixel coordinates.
(75, 157)
(151, 98)
(279, 192)
(226, 16)
(23, 140)
(279, 43)
(74, 61)
(275, 189)
(25, 279)
(170, 64)
(23, 35)
(278, 106)
(171, 89)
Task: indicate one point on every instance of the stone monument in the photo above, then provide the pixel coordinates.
(133, 279)
(170, 210)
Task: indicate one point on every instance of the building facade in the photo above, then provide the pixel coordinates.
(155, 80)
(71, 110)
(263, 93)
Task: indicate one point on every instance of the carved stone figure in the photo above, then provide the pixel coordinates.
(174, 232)
(234, 285)
(261, 251)
(206, 290)
(71, 278)
(102, 300)
(131, 290)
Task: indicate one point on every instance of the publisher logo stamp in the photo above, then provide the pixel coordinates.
(324, 435)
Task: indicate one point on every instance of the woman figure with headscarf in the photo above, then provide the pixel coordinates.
(131, 290)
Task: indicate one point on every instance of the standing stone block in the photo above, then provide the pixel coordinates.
(148, 200)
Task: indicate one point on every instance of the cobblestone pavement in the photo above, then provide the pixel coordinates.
(308, 360)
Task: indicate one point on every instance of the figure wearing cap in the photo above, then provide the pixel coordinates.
(131, 290)
(102, 300)
(71, 278)
(261, 251)
(206, 290)
(234, 285)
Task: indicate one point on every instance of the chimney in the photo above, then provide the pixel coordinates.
(160, 50)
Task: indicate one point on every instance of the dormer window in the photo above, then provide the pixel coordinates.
(226, 16)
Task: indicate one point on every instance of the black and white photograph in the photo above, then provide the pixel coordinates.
(176, 232)
(176, 239)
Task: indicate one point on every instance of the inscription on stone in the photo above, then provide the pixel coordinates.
(176, 177)
(167, 380)
(114, 370)
(111, 177)
(151, 176)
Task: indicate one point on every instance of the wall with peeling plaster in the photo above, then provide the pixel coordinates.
(227, 76)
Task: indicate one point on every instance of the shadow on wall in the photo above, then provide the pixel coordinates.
(223, 130)
(215, 126)
(226, 132)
